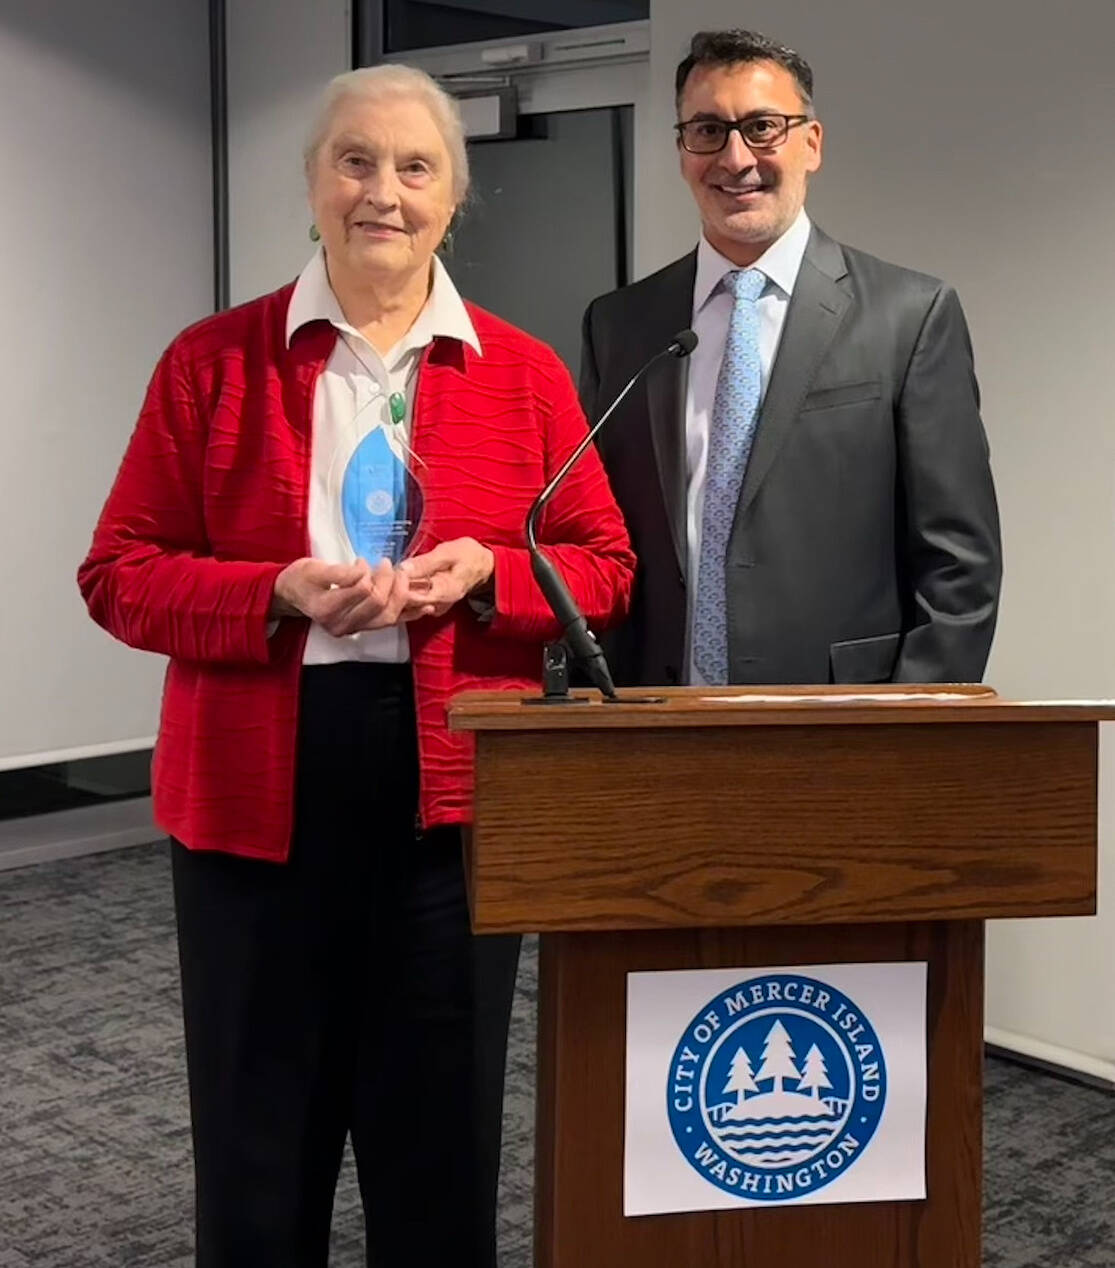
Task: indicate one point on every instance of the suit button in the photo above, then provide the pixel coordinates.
(671, 675)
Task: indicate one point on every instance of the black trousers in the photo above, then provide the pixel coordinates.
(343, 993)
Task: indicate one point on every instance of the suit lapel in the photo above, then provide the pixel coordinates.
(665, 390)
(816, 309)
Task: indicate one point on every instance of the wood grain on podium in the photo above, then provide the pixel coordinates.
(764, 825)
(826, 705)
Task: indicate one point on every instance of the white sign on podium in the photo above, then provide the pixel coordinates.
(767, 1086)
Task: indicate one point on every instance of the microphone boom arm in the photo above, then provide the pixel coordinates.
(577, 634)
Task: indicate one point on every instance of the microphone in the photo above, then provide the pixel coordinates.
(577, 634)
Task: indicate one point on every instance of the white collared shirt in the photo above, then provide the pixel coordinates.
(351, 399)
(712, 309)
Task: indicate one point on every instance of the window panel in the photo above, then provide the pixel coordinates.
(414, 24)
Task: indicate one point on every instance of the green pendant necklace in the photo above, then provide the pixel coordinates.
(397, 404)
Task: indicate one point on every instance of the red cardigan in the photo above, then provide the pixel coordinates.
(210, 504)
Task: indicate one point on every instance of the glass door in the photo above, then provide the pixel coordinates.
(549, 225)
(548, 90)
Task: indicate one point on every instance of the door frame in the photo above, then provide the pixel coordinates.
(582, 69)
(587, 68)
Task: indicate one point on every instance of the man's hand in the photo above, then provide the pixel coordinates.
(346, 598)
(445, 575)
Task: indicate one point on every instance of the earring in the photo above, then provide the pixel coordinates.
(315, 233)
(446, 244)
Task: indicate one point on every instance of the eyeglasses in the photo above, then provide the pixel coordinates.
(759, 132)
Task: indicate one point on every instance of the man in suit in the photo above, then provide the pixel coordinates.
(809, 494)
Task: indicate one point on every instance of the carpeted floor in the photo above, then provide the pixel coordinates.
(94, 1134)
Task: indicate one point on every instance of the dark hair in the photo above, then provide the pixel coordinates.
(727, 48)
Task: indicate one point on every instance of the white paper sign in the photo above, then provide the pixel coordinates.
(762, 1087)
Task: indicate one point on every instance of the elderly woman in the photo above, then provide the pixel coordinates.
(304, 768)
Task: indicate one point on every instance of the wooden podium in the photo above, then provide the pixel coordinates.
(774, 826)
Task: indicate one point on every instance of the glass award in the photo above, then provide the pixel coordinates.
(381, 498)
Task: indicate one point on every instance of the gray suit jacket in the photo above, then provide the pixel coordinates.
(865, 546)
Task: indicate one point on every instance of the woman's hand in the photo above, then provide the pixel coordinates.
(445, 575)
(347, 598)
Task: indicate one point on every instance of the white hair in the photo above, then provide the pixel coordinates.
(372, 83)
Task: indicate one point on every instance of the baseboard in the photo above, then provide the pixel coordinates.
(84, 830)
(1047, 1056)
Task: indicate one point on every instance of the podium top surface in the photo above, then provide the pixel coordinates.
(764, 706)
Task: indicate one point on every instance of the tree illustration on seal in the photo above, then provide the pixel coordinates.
(814, 1075)
(741, 1078)
(778, 1057)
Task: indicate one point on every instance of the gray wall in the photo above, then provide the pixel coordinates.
(281, 53)
(105, 220)
(974, 141)
(969, 140)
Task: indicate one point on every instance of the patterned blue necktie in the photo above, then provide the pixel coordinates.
(735, 412)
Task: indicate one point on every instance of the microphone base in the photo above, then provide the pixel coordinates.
(555, 700)
(555, 681)
(591, 700)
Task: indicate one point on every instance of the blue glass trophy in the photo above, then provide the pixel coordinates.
(381, 499)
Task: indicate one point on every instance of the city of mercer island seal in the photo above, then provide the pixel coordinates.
(776, 1087)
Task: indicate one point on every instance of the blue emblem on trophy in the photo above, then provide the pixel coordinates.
(381, 502)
